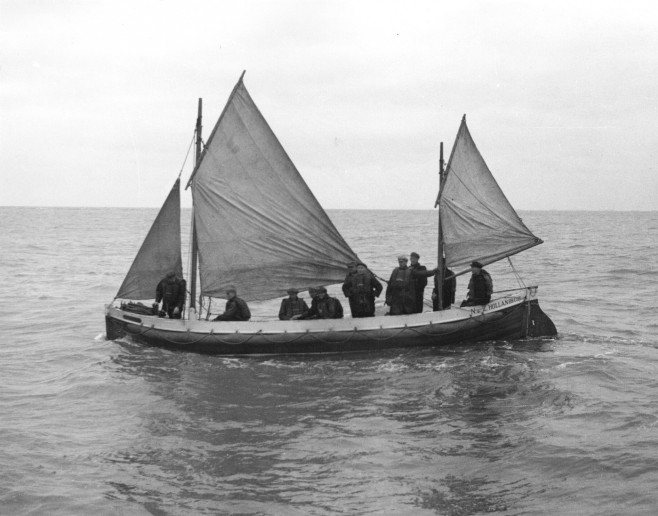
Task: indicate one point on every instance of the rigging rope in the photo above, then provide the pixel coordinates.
(187, 155)
(516, 274)
(209, 306)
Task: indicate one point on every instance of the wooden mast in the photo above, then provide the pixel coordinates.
(195, 249)
(439, 261)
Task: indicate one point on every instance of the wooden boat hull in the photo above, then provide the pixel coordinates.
(510, 317)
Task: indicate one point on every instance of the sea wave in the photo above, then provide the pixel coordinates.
(533, 426)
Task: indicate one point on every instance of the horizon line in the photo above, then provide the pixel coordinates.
(335, 209)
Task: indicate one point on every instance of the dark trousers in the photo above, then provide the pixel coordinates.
(420, 305)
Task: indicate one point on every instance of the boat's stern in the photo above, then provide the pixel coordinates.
(537, 323)
(114, 327)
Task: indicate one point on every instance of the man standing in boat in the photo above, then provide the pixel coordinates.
(236, 308)
(171, 291)
(362, 288)
(400, 292)
(480, 286)
(449, 289)
(293, 307)
(420, 274)
(324, 307)
(351, 271)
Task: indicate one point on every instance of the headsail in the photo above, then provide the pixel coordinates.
(478, 221)
(259, 226)
(159, 254)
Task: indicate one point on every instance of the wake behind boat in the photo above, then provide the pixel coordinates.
(257, 225)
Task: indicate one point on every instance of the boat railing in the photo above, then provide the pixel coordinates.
(515, 289)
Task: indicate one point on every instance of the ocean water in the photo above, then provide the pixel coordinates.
(547, 426)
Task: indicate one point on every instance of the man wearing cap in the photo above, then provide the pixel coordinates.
(400, 291)
(293, 307)
(324, 307)
(362, 288)
(236, 309)
(419, 274)
(351, 269)
(480, 286)
(313, 293)
(171, 291)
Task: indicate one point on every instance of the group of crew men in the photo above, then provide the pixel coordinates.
(404, 294)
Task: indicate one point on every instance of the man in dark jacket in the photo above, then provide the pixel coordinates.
(449, 289)
(171, 291)
(419, 274)
(362, 288)
(324, 307)
(401, 291)
(351, 271)
(480, 286)
(293, 307)
(236, 308)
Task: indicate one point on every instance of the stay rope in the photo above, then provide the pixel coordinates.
(516, 274)
(187, 155)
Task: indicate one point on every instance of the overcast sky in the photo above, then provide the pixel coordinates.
(98, 99)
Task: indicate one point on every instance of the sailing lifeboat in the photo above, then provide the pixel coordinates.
(258, 226)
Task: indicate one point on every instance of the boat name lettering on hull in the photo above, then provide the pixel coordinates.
(497, 304)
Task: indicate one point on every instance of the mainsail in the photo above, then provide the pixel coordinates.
(159, 254)
(477, 220)
(259, 227)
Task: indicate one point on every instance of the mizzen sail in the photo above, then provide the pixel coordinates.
(259, 227)
(478, 221)
(159, 254)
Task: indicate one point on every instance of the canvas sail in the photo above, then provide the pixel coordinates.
(478, 221)
(259, 227)
(159, 254)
